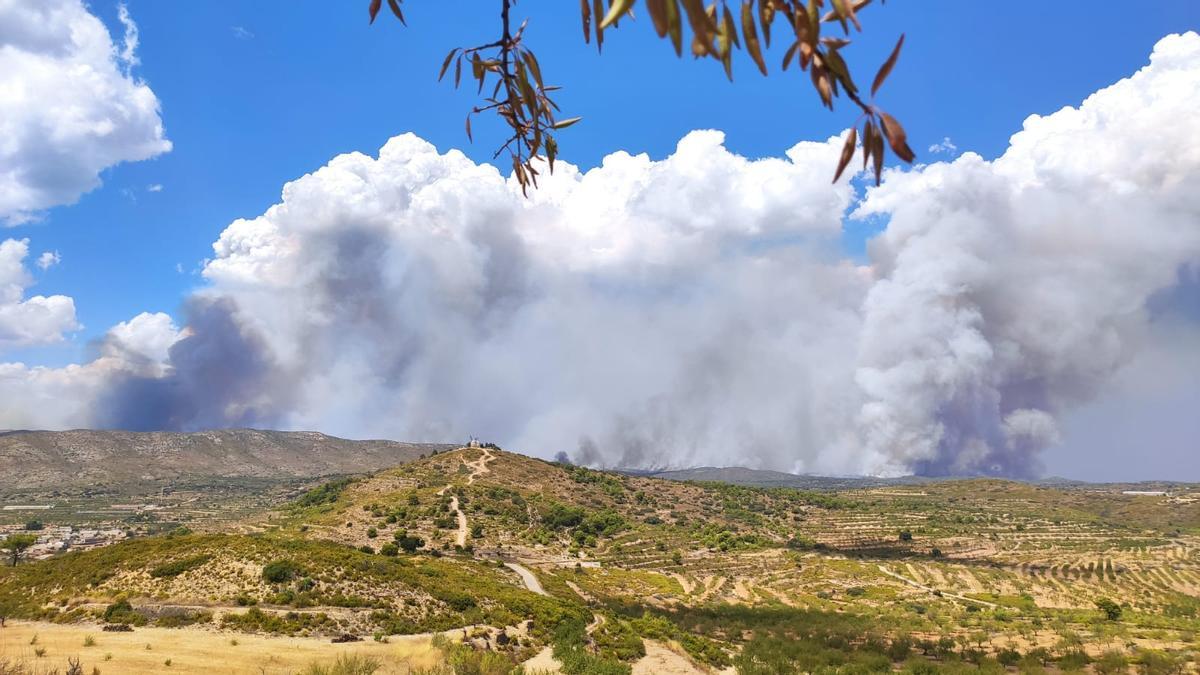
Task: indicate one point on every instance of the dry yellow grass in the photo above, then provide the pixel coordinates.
(197, 651)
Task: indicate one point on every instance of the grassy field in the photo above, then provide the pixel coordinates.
(196, 652)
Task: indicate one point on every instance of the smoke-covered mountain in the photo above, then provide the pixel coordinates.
(66, 459)
(740, 475)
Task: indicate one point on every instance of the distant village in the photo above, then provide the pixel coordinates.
(55, 539)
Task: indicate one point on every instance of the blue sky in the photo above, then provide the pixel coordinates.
(256, 94)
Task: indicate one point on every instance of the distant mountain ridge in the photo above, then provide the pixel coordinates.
(740, 475)
(65, 459)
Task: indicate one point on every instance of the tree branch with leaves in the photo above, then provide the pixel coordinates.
(510, 72)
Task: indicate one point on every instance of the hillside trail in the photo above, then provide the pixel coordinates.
(910, 582)
(478, 468)
(661, 660)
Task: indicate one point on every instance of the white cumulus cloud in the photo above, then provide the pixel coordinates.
(944, 146)
(69, 106)
(48, 259)
(694, 309)
(1012, 290)
(34, 320)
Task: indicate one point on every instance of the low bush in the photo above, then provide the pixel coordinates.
(177, 567)
(280, 571)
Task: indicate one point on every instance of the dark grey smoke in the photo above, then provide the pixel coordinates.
(681, 312)
(221, 375)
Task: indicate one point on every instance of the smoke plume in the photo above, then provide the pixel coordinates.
(691, 310)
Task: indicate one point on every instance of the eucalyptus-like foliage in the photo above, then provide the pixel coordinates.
(512, 76)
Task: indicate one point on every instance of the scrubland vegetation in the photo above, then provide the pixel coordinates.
(947, 576)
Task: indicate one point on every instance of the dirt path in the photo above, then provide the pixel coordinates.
(956, 596)
(712, 589)
(460, 537)
(597, 621)
(742, 590)
(659, 660)
(478, 468)
(544, 662)
(580, 592)
(688, 585)
(527, 577)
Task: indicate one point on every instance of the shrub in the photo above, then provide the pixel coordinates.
(1008, 657)
(346, 664)
(560, 515)
(900, 648)
(324, 494)
(1074, 659)
(408, 543)
(389, 549)
(1111, 662)
(1155, 662)
(280, 571)
(177, 567)
(1112, 611)
(122, 612)
(181, 619)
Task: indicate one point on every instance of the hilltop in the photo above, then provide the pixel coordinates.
(36, 460)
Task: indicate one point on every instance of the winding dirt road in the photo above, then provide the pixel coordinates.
(527, 577)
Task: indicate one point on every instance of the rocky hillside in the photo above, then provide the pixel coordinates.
(65, 459)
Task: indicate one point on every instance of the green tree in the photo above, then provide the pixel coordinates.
(522, 100)
(1112, 611)
(280, 571)
(409, 543)
(15, 546)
